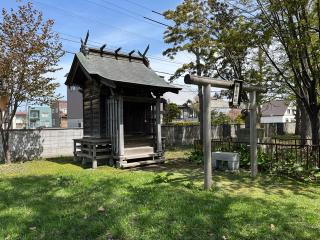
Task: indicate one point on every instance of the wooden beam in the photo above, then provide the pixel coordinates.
(86, 39)
(94, 157)
(117, 51)
(120, 126)
(158, 125)
(191, 79)
(130, 53)
(139, 99)
(102, 47)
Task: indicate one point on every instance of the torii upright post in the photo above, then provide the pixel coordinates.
(206, 118)
(253, 134)
(206, 141)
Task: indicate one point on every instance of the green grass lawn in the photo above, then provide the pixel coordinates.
(57, 199)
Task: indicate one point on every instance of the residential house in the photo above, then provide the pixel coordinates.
(278, 111)
(20, 120)
(75, 108)
(59, 114)
(220, 105)
(39, 117)
(187, 112)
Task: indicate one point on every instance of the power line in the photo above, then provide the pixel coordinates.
(163, 24)
(139, 5)
(75, 15)
(122, 10)
(161, 14)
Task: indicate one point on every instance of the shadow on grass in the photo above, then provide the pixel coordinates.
(66, 207)
(188, 171)
(69, 160)
(269, 184)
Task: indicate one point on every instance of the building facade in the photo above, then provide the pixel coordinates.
(278, 111)
(39, 117)
(75, 107)
(59, 114)
(20, 120)
(187, 112)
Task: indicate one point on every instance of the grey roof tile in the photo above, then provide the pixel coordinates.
(122, 70)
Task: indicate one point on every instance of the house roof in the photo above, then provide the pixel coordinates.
(274, 108)
(21, 113)
(120, 68)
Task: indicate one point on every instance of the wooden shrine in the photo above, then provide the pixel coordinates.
(121, 107)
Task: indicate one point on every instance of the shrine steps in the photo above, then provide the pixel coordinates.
(125, 164)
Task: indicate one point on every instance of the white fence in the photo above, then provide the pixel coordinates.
(46, 143)
(49, 143)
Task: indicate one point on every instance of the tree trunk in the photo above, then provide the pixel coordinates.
(314, 119)
(297, 130)
(6, 156)
(6, 153)
(305, 125)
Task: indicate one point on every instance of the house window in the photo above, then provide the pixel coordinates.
(44, 115)
(34, 113)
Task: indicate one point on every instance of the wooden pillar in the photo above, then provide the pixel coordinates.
(206, 117)
(75, 151)
(120, 127)
(253, 134)
(158, 125)
(94, 156)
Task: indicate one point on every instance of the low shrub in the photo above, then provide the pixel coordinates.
(195, 156)
(287, 165)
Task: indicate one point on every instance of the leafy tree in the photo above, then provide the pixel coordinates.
(190, 34)
(219, 118)
(239, 119)
(30, 51)
(293, 28)
(171, 112)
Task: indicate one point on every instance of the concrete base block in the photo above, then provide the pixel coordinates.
(223, 160)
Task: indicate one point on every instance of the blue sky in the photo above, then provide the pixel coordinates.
(116, 23)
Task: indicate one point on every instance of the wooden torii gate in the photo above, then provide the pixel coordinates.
(207, 83)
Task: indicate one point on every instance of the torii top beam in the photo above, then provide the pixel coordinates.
(196, 80)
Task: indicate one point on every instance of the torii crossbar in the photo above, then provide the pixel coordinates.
(207, 83)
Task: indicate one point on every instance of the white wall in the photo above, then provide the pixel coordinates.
(273, 119)
(75, 123)
(278, 119)
(46, 143)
